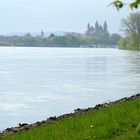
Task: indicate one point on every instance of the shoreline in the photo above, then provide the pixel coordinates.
(51, 120)
(57, 47)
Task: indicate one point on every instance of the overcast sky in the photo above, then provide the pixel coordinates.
(57, 15)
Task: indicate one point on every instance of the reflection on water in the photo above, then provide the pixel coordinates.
(36, 83)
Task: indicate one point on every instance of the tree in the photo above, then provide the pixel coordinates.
(131, 27)
(119, 4)
(51, 35)
(131, 24)
(114, 38)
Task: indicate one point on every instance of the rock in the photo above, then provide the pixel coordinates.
(78, 110)
(98, 106)
(22, 125)
(8, 129)
(53, 118)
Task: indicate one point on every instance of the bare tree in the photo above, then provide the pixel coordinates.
(131, 24)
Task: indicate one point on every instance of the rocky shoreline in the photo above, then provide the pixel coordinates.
(25, 127)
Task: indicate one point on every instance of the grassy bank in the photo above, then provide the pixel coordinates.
(117, 122)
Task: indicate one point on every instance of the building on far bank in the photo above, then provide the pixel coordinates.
(97, 29)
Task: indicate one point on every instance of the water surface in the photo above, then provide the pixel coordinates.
(36, 83)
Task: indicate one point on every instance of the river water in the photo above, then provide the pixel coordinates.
(36, 83)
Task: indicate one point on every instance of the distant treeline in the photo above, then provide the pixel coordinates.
(97, 36)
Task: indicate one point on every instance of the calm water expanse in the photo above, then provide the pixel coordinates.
(36, 83)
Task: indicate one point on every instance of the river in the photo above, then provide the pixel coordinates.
(36, 83)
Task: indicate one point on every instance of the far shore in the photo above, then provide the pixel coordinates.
(74, 46)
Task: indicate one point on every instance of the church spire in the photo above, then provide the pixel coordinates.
(96, 27)
(88, 27)
(42, 33)
(105, 27)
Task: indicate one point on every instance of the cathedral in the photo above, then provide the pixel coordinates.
(97, 30)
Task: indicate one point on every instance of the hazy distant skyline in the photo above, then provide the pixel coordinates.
(57, 15)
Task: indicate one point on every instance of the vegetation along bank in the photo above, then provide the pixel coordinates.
(117, 120)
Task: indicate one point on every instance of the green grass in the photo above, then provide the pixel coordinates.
(117, 122)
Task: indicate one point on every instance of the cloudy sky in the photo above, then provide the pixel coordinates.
(57, 15)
